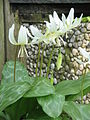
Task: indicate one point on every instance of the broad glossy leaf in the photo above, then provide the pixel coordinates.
(24, 105)
(8, 72)
(11, 93)
(21, 73)
(41, 87)
(69, 87)
(77, 111)
(4, 116)
(52, 105)
(38, 114)
(78, 95)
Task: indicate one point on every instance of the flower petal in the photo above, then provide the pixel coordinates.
(70, 17)
(56, 18)
(22, 36)
(63, 19)
(84, 53)
(11, 35)
(35, 31)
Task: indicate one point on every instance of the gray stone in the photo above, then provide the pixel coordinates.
(78, 72)
(70, 44)
(62, 50)
(72, 71)
(87, 36)
(75, 44)
(52, 66)
(67, 68)
(34, 65)
(88, 26)
(75, 64)
(43, 65)
(81, 67)
(72, 39)
(31, 65)
(74, 52)
(86, 102)
(83, 30)
(80, 37)
(77, 32)
(84, 97)
(29, 53)
(79, 43)
(55, 81)
(83, 25)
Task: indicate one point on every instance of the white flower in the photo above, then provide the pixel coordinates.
(53, 30)
(86, 55)
(37, 36)
(22, 39)
(70, 22)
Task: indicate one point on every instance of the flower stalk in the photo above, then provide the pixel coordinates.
(82, 94)
(42, 59)
(39, 46)
(48, 67)
(15, 63)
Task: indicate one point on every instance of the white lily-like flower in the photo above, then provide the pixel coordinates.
(22, 39)
(70, 22)
(53, 30)
(37, 36)
(86, 55)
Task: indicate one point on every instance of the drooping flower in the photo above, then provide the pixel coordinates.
(22, 39)
(85, 54)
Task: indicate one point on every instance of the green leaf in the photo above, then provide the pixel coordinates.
(86, 19)
(41, 87)
(21, 73)
(70, 87)
(11, 93)
(78, 95)
(52, 105)
(24, 105)
(4, 116)
(38, 114)
(59, 61)
(77, 111)
(8, 72)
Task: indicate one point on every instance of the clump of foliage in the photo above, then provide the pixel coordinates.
(25, 97)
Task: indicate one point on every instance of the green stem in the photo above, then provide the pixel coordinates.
(15, 62)
(39, 46)
(82, 88)
(41, 60)
(49, 61)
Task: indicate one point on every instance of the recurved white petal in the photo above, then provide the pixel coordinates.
(80, 18)
(63, 19)
(84, 53)
(22, 36)
(70, 17)
(35, 31)
(56, 18)
(51, 18)
(11, 35)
